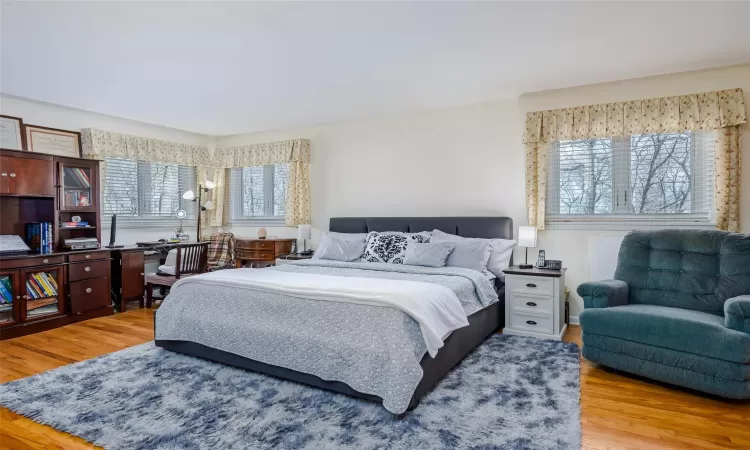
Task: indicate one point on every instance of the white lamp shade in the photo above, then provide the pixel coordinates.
(305, 231)
(527, 236)
(189, 195)
(209, 205)
(210, 184)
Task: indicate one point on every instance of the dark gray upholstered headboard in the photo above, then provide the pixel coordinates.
(473, 227)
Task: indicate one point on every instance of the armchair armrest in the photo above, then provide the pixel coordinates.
(603, 294)
(737, 313)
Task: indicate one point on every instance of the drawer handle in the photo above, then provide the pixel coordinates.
(531, 303)
(88, 290)
(45, 260)
(88, 256)
(531, 322)
(4, 174)
(12, 175)
(530, 285)
(87, 269)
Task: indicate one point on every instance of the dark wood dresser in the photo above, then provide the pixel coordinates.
(41, 291)
(261, 251)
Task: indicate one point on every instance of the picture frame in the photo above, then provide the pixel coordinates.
(12, 135)
(53, 141)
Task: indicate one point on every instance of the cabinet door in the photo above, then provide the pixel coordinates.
(132, 275)
(10, 297)
(78, 185)
(43, 289)
(27, 176)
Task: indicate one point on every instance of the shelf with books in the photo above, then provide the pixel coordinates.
(42, 292)
(7, 297)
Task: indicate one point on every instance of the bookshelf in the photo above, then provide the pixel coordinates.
(44, 290)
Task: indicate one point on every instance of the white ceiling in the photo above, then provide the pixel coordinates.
(225, 68)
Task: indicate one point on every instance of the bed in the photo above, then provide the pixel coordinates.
(228, 337)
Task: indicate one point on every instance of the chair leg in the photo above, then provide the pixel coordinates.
(149, 295)
(142, 298)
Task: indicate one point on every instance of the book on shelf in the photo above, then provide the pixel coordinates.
(81, 176)
(39, 237)
(6, 291)
(73, 224)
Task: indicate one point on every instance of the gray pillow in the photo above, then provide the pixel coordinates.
(342, 249)
(501, 251)
(357, 237)
(433, 254)
(468, 253)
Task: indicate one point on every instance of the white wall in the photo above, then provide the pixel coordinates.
(48, 115)
(449, 162)
(464, 161)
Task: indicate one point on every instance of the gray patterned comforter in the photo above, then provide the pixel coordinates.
(375, 350)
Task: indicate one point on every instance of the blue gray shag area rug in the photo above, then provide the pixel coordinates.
(510, 393)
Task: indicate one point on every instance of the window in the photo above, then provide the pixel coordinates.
(657, 179)
(146, 194)
(258, 194)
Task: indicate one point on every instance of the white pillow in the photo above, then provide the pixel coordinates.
(324, 242)
(501, 251)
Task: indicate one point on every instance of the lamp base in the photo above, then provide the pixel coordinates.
(525, 266)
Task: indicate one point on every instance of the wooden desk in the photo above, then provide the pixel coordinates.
(261, 251)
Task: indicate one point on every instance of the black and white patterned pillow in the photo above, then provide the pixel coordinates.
(390, 247)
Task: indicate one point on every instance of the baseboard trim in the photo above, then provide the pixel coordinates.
(574, 320)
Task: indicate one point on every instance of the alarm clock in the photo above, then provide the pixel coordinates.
(554, 264)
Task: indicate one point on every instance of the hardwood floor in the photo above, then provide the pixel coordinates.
(618, 411)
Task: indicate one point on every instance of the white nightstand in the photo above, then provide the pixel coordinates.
(535, 302)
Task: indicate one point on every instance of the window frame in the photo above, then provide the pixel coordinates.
(143, 221)
(620, 219)
(236, 200)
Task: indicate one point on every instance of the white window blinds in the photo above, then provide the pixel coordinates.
(659, 179)
(258, 194)
(146, 193)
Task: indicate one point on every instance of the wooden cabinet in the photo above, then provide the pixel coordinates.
(261, 251)
(31, 175)
(78, 182)
(50, 291)
(128, 275)
(10, 297)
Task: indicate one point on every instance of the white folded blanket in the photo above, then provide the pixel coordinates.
(436, 308)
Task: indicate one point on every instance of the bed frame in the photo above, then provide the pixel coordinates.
(458, 345)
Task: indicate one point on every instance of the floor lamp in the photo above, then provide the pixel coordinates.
(208, 206)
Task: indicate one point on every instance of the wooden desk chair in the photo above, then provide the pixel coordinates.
(191, 260)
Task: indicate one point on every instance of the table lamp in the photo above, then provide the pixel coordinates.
(526, 238)
(305, 233)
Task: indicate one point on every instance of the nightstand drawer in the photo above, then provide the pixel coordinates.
(531, 322)
(534, 304)
(530, 285)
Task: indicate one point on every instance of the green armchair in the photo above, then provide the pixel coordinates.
(678, 311)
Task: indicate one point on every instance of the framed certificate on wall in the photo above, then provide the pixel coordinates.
(52, 141)
(12, 136)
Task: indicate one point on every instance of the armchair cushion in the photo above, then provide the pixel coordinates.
(603, 294)
(737, 313)
(678, 329)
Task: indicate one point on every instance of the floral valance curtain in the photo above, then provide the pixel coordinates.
(262, 154)
(98, 144)
(705, 111)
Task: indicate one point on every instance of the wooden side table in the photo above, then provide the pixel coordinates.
(260, 252)
(535, 302)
